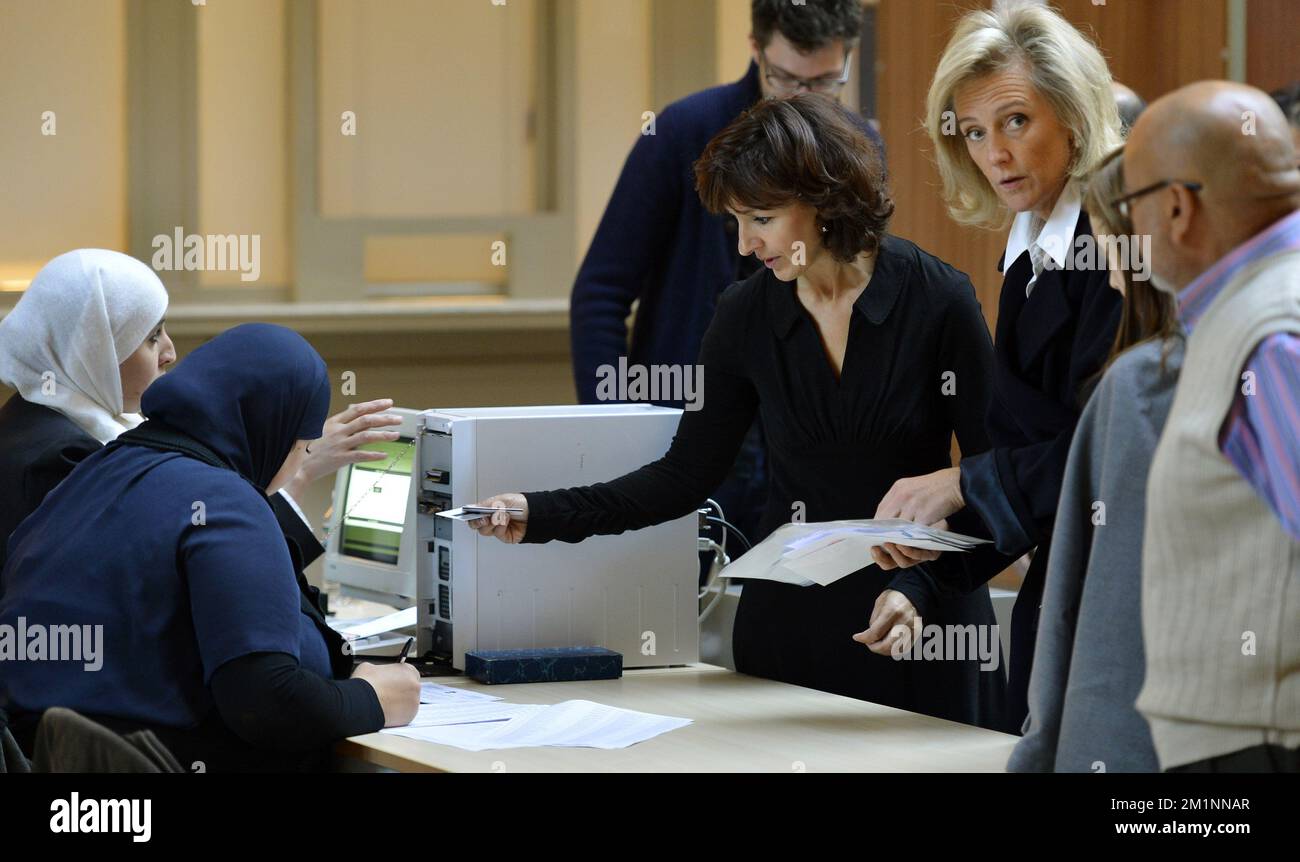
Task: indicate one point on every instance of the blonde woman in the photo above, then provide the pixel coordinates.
(1020, 110)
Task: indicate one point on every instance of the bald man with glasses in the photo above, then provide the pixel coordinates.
(1210, 174)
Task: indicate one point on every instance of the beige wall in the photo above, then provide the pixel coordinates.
(65, 190)
(455, 144)
(733, 39)
(243, 133)
(613, 90)
(450, 138)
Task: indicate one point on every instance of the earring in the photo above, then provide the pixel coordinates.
(824, 228)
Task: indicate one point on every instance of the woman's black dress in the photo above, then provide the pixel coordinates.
(916, 369)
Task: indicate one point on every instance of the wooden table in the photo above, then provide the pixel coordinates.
(741, 724)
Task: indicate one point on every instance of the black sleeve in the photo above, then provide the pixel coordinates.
(1015, 489)
(296, 530)
(699, 458)
(270, 702)
(967, 351)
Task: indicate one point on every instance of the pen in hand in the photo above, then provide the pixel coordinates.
(406, 650)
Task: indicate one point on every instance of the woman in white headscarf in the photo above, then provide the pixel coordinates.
(87, 338)
(80, 347)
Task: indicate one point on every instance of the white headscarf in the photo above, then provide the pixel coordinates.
(84, 313)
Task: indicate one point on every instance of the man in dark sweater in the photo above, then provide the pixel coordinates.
(656, 244)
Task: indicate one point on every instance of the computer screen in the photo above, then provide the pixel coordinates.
(374, 507)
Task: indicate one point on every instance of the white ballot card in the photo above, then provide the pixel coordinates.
(356, 629)
(469, 513)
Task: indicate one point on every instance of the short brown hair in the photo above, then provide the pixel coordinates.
(805, 149)
(807, 26)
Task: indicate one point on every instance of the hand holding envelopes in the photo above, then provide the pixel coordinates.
(824, 552)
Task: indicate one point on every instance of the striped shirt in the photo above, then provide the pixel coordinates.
(1259, 436)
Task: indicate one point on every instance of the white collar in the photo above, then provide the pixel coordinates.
(1057, 235)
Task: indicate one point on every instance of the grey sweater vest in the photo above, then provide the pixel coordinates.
(1220, 576)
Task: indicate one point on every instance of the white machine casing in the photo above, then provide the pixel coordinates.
(635, 593)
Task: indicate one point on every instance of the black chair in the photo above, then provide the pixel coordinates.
(12, 758)
(69, 742)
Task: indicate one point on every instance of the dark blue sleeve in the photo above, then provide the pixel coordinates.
(243, 594)
(639, 221)
(52, 466)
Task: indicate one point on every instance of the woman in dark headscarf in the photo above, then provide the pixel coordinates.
(162, 549)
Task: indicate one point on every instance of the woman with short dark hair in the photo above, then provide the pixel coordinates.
(841, 343)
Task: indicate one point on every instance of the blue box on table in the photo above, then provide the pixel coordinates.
(543, 664)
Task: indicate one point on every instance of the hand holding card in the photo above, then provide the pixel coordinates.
(504, 516)
(472, 513)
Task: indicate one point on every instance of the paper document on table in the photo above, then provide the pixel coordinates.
(352, 629)
(823, 552)
(440, 714)
(572, 724)
(432, 692)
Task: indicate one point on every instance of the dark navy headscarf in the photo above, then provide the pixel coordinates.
(249, 394)
(119, 544)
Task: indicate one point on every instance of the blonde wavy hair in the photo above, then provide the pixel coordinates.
(1065, 67)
